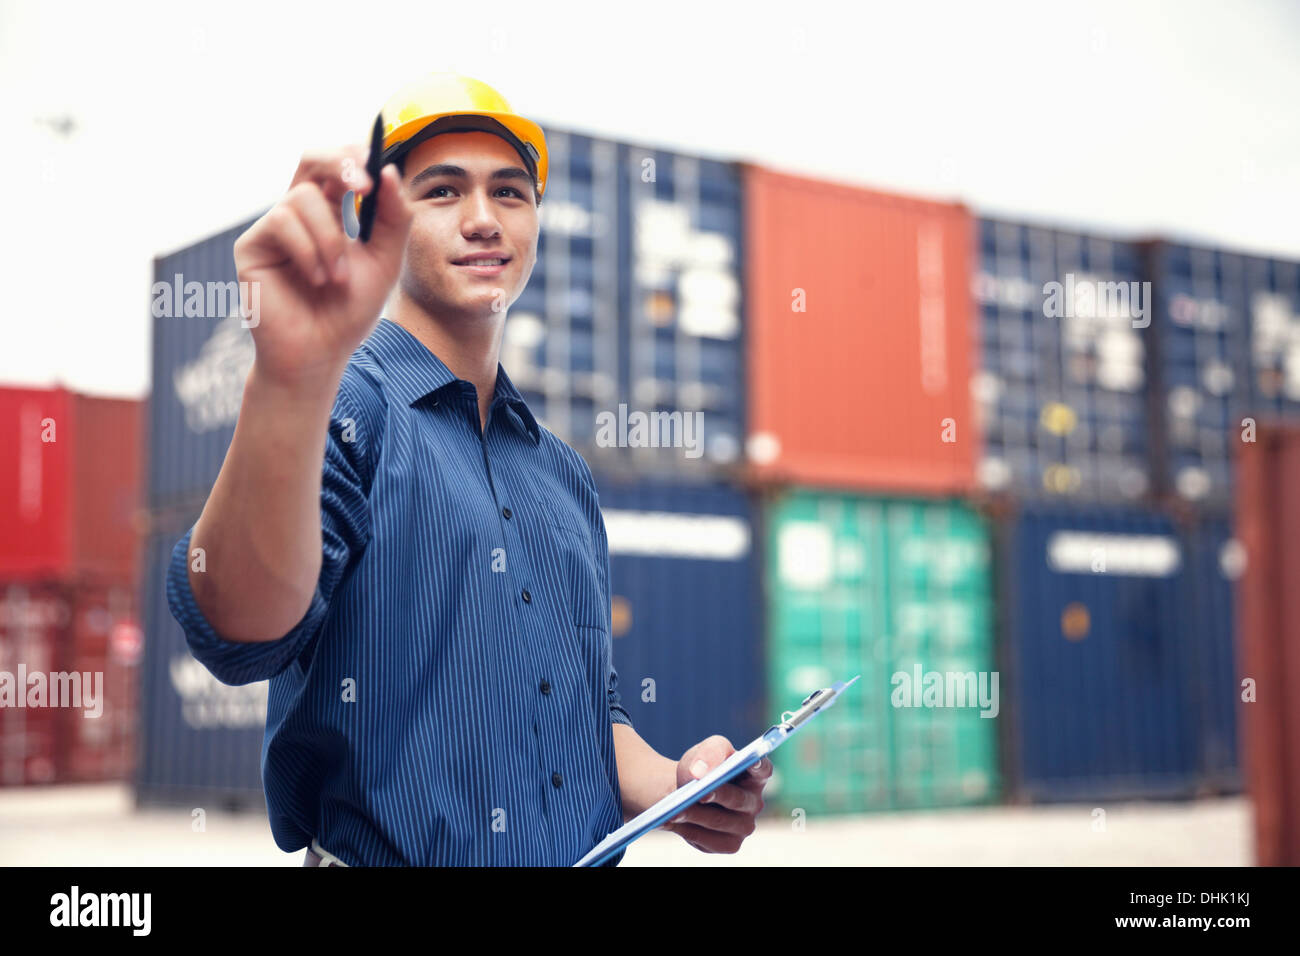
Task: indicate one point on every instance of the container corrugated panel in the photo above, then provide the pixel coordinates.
(1267, 513)
(36, 482)
(683, 305)
(686, 610)
(200, 739)
(562, 341)
(633, 308)
(98, 740)
(859, 337)
(1097, 691)
(1228, 349)
(201, 358)
(34, 618)
(895, 590)
(108, 488)
(71, 490)
(1061, 382)
(1215, 561)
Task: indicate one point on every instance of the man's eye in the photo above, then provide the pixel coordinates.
(430, 193)
(511, 189)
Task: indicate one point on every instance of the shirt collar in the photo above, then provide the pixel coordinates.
(414, 372)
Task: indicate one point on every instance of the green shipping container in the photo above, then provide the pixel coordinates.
(899, 591)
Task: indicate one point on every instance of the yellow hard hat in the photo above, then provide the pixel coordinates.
(448, 102)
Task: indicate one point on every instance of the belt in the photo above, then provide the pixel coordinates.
(317, 855)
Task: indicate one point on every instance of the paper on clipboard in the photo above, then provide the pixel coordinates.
(733, 766)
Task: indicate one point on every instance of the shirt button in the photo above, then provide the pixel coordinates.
(506, 512)
(546, 687)
(556, 780)
(528, 598)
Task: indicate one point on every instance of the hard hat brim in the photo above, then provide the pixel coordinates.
(526, 131)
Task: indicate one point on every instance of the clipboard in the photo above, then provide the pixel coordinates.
(688, 794)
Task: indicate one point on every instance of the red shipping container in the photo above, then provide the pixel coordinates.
(107, 486)
(859, 337)
(1268, 627)
(71, 491)
(97, 741)
(84, 640)
(33, 621)
(35, 481)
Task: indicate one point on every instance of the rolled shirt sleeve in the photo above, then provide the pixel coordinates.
(345, 530)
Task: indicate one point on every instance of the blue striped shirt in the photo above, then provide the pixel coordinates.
(448, 698)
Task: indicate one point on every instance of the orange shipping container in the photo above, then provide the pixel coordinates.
(859, 337)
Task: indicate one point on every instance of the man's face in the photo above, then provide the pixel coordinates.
(472, 196)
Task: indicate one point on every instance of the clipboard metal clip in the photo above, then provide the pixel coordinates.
(814, 702)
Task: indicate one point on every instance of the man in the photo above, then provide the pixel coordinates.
(418, 567)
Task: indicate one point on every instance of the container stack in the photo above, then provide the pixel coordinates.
(201, 740)
(69, 634)
(988, 465)
(862, 441)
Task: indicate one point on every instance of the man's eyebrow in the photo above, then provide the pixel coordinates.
(458, 172)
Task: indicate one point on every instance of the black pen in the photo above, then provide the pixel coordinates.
(369, 202)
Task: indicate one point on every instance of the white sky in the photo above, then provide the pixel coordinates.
(1179, 118)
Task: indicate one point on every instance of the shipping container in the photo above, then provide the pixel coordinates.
(626, 341)
(859, 337)
(1215, 561)
(33, 619)
(899, 591)
(563, 336)
(104, 643)
(1060, 385)
(200, 739)
(682, 307)
(686, 610)
(35, 481)
(68, 649)
(70, 492)
(201, 358)
(1227, 353)
(108, 486)
(1267, 513)
(1099, 689)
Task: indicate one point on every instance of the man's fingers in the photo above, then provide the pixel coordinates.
(286, 233)
(709, 817)
(709, 841)
(732, 797)
(335, 171)
(324, 222)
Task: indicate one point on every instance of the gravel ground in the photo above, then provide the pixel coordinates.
(98, 825)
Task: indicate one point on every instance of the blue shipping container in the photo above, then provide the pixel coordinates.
(634, 307)
(201, 357)
(686, 616)
(1060, 382)
(1094, 603)
(1226, 348)
(1215, 559)
(200, 739)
